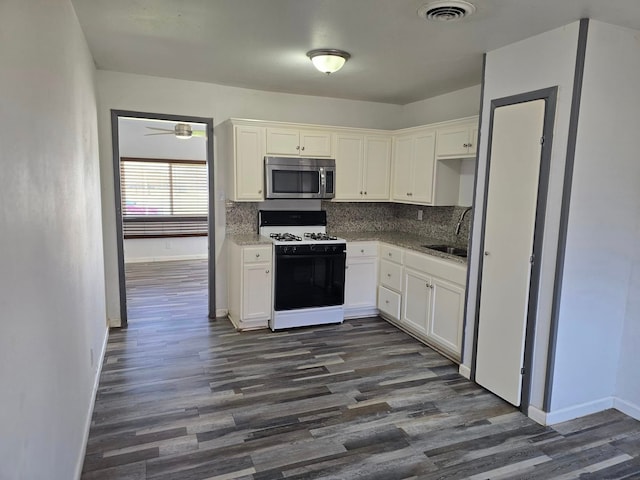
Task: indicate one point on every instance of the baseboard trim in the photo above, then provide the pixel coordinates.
(569, 413)
(464, 371)
(221, 312)
(363, 312)
(115, 323)
(537, 415)
(94, 392)
(627, 408)
(200, 256)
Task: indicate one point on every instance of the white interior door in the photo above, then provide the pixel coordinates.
(508, 243)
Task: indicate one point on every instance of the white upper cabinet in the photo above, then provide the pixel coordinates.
(295, 142)
(247, 168)
(363, 164)
(414, 158)
(457, 141)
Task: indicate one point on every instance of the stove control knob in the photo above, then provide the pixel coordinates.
(285, 249)
(312, 247)
(293, 249)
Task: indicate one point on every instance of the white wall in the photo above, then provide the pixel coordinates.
(134, 142)
(458, 104)
(52, 301)
(158, 95)
(603, 237)
(542, 61)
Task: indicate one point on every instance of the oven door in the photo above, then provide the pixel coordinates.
(309, 280)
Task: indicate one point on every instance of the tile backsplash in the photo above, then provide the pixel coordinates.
(437, 222)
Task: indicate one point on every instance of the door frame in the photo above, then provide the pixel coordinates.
(549, 95)
(115, 115)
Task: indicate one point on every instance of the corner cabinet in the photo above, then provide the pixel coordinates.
(249, 282)
(413, 164)
(296, 142)
(363, 167)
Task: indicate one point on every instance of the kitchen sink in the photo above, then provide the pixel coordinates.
(458, 252)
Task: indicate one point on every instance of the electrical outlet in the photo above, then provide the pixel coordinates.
(419, 214)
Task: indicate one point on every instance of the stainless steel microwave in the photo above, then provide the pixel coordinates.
(299, 177)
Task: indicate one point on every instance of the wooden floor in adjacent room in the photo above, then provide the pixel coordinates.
(183, 397)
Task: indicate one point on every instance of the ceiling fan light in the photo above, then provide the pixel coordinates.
(328, 60)
(183, 131)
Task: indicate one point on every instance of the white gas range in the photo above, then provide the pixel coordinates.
(309, 268)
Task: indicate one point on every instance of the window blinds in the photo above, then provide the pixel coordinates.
(163, 197)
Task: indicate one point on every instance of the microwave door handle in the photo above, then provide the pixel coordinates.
(323, 180)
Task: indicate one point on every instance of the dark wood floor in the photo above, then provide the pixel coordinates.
(182, 397)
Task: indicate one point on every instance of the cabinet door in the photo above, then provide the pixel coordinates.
(283, 141)
(349, 161)
(417, 300)
(453, 141)
(447, 311)
(422, 172)
(256, 292)
(360, 283)
(402, 160)
(249, 162)
(315, 143)
(377, 168)
(473, 140)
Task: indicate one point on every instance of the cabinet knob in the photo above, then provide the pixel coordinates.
(266, 271)
(465, 145)
(389, 275)
(362, 250)
(257, 255)
(298, 147)
(260, 192)
(302, 148)
(365, 193)
(360, 192)
(390, 254)
(346, 267)
(386, 301)
(470, 145)
(486, 254)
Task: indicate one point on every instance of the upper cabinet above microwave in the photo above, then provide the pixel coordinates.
(302, 143)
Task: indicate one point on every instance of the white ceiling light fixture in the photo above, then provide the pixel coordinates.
(446, 10)
(328, 60)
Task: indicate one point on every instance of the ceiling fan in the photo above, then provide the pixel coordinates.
(181, 130)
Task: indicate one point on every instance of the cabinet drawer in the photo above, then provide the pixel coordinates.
(391, 275)
(393, 254)
(256, 254)
(362, 249)
(389, 302)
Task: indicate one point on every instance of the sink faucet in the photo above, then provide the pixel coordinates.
(464, 212)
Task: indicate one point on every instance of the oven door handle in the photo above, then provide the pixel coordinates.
(280, 256)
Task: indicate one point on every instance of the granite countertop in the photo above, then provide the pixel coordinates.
(400, 239)
(243, 239)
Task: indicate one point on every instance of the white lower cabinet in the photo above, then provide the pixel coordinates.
(250, 277)
(361, 278)
(417, 299)
(423, 295)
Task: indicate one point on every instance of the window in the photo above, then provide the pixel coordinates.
(163, 198)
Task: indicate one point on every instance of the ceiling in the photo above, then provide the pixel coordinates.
(397, 57)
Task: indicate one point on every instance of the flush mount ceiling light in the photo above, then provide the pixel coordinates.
(446, 10)
(328, 60)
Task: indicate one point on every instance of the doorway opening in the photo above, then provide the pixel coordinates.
(164, 202)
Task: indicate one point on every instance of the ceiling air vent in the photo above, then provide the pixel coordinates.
(446, 10)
